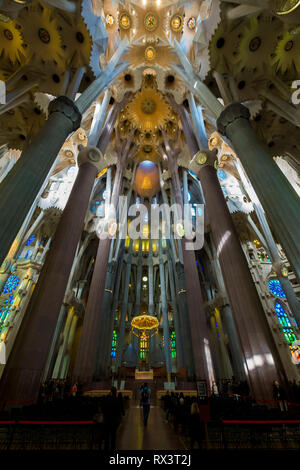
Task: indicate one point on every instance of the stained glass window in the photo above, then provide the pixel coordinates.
(287, 331)
(173, 344)
(282, 316)
(276, 288)
(143, 346)
(11, 284)
(7, 298)
(222, 175)
(114, 344)
(30, 240)
(289, 335)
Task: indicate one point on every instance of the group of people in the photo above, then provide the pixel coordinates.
(230, 387)
(183, 413)
(108, 419)
(58, 389)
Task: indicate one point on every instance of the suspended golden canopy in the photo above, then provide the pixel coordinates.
(145, 324)
(146, 182)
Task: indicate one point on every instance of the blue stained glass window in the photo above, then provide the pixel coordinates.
(30, 240)
(11, 285)
(282, 315)
(276, 289)
(222, 175)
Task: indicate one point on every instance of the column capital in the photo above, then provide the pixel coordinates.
(280, 269)
(231, 113)
(65, 106)
(202, 159)
(93, 155)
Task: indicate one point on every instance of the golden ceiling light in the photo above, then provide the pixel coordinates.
(214, 141)
(148, 111)
(176, 23)
(125, 20)
(150, 53)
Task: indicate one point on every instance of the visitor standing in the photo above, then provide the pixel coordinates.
(145, 398)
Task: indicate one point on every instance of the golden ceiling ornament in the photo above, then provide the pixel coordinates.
(124, 20)
(11, 42)
(148, 111)
(41, 34)
(151, 21)
(284, 7)
(176, 23)
(148, 106)
(146, 324)
(150, 53)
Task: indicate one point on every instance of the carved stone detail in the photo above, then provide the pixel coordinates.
(231, 113)
(64, 105)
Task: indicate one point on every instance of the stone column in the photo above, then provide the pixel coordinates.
(93, 318)
(122, 323)
(238, 364)
(261, 356)
(197, 317)
(164, 307)
(177, 322)
(22, 185)
(224, 353)
(63, 347)
(279, 200)
(23, 372)
(55, 343)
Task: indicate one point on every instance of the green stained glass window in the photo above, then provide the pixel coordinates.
(173, 344)
(114, 344)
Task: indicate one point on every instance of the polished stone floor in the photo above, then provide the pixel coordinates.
(158, 435)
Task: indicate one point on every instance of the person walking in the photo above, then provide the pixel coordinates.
(145, 399)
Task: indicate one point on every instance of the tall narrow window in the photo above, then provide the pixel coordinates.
(287, 329)
(114, 344)
(7, 298)
(143, 346)
(173, 344)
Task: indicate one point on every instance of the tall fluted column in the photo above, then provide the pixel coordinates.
(164, 307)
(234, 344)
(256, 339)
(260, 353)
(23, 372)
(24, 182)
(91, 336)
(279, 200)
(197, 317)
